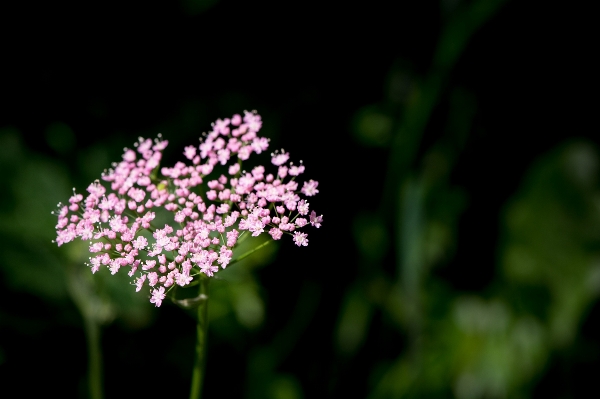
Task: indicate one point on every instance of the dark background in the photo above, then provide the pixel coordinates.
(457, 166)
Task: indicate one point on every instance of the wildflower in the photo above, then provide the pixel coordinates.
(204, 225)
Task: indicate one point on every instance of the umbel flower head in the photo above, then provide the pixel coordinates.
(208, 211)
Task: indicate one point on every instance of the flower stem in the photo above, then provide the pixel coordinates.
(201, 338)
(82, 291)
(202, 328)
(239, 258)
(92, 330)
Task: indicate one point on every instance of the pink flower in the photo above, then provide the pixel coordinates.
(244, 153)
(190, 152)
(282, 171)
(303, 207)
(129, 155)
(149, 264)
(315, 220)
(260, 144)
(96, 247)
(236, 120)
(140, 242)
(232, 238)
(296, 170)
(279, 158)
(179, 217)
(157, 296)
(95, 263)
(224, 256)
(310, 188)
(116, 216)
(233, 169)
(152, 279)
(183, 279)
(140, 282)
(300, 239)
(209, 269)
(275, 233)
(301, 222)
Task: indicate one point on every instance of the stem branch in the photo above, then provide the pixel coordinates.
(239, 258)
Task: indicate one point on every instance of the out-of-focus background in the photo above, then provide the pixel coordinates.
(458, 173)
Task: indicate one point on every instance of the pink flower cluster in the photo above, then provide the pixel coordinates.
(208, 219)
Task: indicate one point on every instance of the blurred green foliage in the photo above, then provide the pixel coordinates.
(497, 343)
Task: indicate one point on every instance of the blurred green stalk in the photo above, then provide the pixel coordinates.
(82, 293)
(201, 338)
(202, 326)
(92, 333)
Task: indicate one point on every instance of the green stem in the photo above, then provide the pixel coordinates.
(82, 291)
(202, 327)
(92, 330)
(201, 338)
(239, 258)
